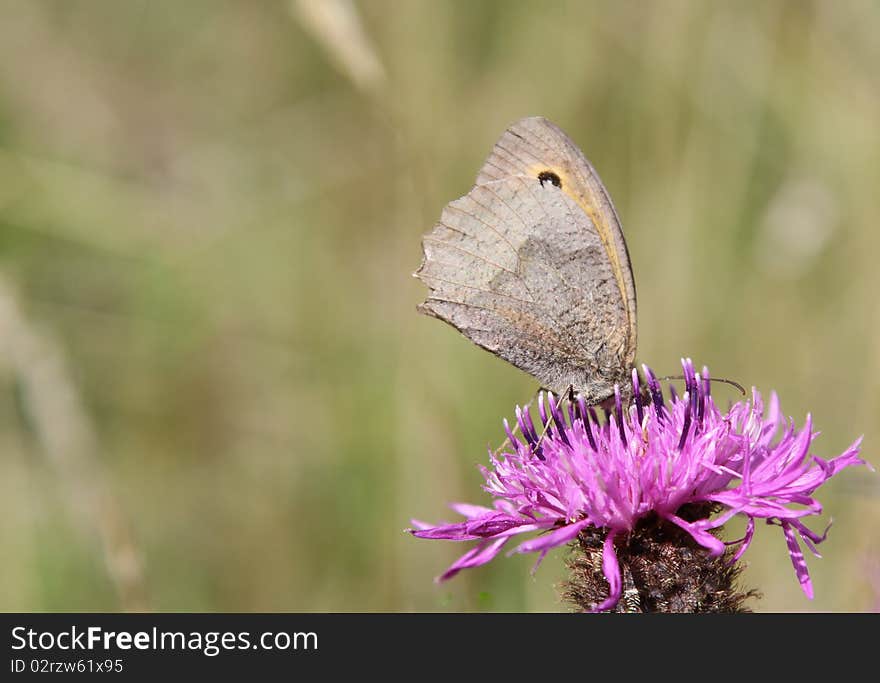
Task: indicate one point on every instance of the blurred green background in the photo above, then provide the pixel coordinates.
(215, 392)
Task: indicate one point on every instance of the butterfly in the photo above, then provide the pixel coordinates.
(532, 265)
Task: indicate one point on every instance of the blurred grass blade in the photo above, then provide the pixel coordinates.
(70, 443)
(337, 26)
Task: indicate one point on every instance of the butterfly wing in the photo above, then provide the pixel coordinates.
(531, 265)
(533, 146)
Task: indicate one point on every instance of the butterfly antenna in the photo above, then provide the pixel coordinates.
(711, 379)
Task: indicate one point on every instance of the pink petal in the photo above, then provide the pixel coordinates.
(470, 511)
(474, 557)
(797, 559)
(611, 569)
(714, 545)
(745, 540)
(554, 538)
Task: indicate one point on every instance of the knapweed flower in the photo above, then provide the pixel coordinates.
(645, 491)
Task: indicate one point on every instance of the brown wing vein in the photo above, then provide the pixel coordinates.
(547, 266)
(547, 332)
(491, 227)
(479, 289)
(469, 253)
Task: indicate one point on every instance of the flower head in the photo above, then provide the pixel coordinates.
(580, 476)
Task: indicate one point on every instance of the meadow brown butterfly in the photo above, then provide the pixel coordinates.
(531, 265)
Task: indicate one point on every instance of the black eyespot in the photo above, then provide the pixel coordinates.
(549, 176)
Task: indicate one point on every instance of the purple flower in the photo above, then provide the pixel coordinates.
(580, 476)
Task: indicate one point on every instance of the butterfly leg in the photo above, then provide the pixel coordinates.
(546, 426)
(506, 442)
(568, 393)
